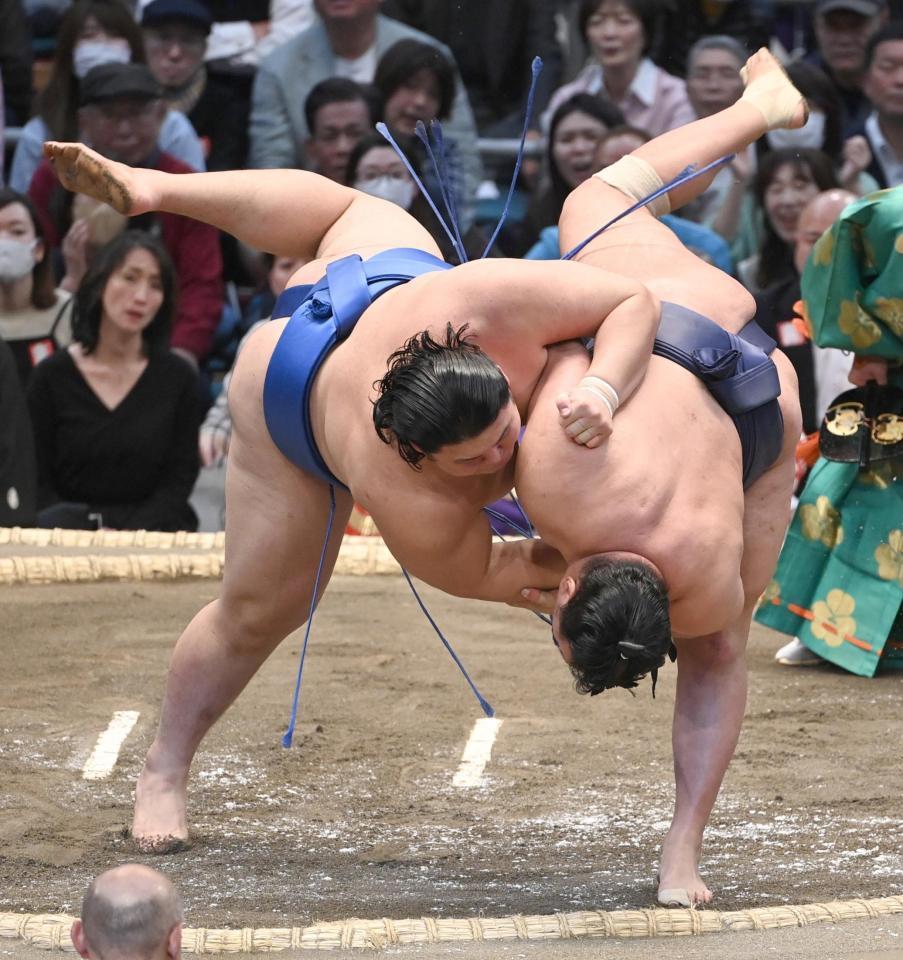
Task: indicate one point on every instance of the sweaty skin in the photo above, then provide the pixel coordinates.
(666, 487)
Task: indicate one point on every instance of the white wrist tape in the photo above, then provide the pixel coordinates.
(599, 394)
(606, 386)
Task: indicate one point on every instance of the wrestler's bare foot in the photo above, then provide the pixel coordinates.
(81, 170)
(770, 89)
(679, 883)
(160, 823)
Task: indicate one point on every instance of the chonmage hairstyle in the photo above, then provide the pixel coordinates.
(87, 308)
(437, 392)
(617, 624)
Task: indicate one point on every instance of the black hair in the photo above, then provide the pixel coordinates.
(43, 294)
(649, 13)
(437, 392)
(375, 141)
(546, 209)
(821, 95)
(340, 90)
(404, 59)
(617, 624)
(58, 102)
(87, 304)
(775, 255)
(890, 31)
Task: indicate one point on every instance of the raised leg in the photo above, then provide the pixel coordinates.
(594, 202)
(276, 519)
(286, 212)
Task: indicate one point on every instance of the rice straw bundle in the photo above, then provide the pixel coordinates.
(51, 932)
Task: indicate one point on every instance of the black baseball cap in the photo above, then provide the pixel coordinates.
(111, 80)
(193, 11)
(868, 8)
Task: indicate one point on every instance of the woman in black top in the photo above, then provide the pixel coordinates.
(116, 415)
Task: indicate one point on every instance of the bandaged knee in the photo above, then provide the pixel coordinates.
(636, 179)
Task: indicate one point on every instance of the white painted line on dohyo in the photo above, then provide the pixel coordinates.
(106, 751)
(477, 752)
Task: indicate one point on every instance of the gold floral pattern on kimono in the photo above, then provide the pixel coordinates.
(881, 475)
(898, 243)
(832, 618)
(890, 310)
(771, 594)
(824, 249)
(890, 557)
(821, 521)
(858, 325)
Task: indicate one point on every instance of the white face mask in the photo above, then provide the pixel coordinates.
(93, 53)
(393, 189)
(16, 259)
(811, 135)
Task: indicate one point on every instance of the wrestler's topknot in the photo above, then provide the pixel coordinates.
(437, 392)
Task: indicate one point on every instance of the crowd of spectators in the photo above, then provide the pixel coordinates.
(188, 85)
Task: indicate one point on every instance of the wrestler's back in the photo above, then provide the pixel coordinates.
(666, 484)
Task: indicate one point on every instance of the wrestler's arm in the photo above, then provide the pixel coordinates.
(539, 303)
(456, 554)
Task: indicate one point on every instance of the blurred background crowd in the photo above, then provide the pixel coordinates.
(117, 335)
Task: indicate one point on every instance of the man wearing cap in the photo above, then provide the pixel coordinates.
(120, 115)
(175, 38)
(842, 31)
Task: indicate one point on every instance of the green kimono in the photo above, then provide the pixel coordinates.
(838, 586)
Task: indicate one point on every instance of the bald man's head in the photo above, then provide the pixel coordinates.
(129, 913)
(817, 216)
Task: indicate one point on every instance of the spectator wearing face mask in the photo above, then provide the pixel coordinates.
(376, 169)
(34, 317)
(92, 32)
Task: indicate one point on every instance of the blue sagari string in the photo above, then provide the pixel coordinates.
(536, 70)
(384, 130)
(487, 709)
(690, 173)
(441, 171)
(290, 732)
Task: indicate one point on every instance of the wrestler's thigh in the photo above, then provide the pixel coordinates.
(367, 227)
(766, 512)
(276, 521)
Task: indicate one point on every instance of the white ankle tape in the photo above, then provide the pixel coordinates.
(636, 179)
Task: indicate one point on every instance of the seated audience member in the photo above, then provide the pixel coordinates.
(34, 317)
(218, 104)
(121, 114)
(821, 371)
(339, 114)
(131, 912)
(784, 183)
(17, 462)
(115, 416)
(617, 143)
(883, 82)
(92, 32)
(244, 33)
(15, 67)
(417, 84)
(578, 125)
(823, 131)
(376, 169)
(838, 586)
(691, 21)
(347, 40)
(493, 43)
(619, 34)
(713, 84)
(842, 31)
